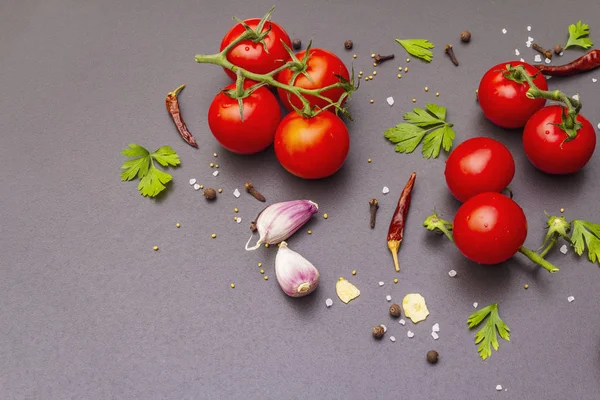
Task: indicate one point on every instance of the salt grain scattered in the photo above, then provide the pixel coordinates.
(475, 305)
(328, 303)
(384, 328)
(410, 334)
(547, 61)
(435, 336)
(239, 220)
(402, 321)
(504, 31)
(537, 58)
(575, 96)
(517, 52)
(594, 80)
(563, 249)
(390, 100)
(561, 53)
(598, 125)
(388, 297)
(530, 39)
(570, 299)
(498, 387)
(452, 273)
(381, 283)
(215, 173)
(435, 328)
(528, 28)
(392, 338)
(385, 190)
(192, 181)
(522, 60)
(196, 186)
(236, 193)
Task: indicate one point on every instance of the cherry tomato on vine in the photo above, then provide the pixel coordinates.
(503, 101)
(252, 56)
(545, 146)
(322, 67)
(479, 165)
(261, 118)
(312, 148)
(489, 228)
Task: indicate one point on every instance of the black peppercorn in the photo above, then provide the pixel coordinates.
(378, 332)
(395, 310)
(296, 44)
(348, 44)
(465, 36)
(210, 193)
(558, 49)
(432, 356)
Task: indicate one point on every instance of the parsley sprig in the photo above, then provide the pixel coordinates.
(427, 125)
(152, 179)
(583, 234)
(486, 337)
(578, 36)
(418, 48)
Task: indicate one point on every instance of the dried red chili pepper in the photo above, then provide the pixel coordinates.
(396, 230)
(587, 62)
(173, 109)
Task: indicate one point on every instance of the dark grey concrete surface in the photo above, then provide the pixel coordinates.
(89, 311)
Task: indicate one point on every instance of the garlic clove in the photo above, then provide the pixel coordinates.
(279, 221)
(414, 307)
(296, 275)
(346, 291)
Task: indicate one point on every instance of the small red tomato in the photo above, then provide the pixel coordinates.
(545, 146)
(312, 148)
(489, 228)
(322, 67)
(261, 118)
(504, 101)
(479, 165)
(252, 56)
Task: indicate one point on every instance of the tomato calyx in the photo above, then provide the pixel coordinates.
(557, 227)
(257, 35)
(436, 224)
(516, 74)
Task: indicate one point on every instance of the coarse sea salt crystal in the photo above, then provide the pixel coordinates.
(402, 321)
(435, 328)
(528, 28)
(547, 61)
(236, 193)
(215, 173)
(435, 336)
(410, 334)
(381, 283)
(390, 100)
(530, 39)
(576, 97)
(498, 387)
(594, 80)
(561, 53)
(537, 58)
(192, 181)
(598, 125)
(239, 220)
(328, 303)
(475, 305)
(385, 190)
(392, 338)
(452, 273)
(522, 60)
(384, 328)
(196, 186)
(570, 299)
(517, 52)
(563, 249)
(388, 297)
(504, 31)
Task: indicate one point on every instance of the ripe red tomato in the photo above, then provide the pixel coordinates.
(261, 118)
(322, 66)
(503, 101)
(479, 165)
(312, 148)
(489, 228)
(545, 147)
(252, 56)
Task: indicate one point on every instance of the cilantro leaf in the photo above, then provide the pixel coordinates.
(578, 36)
(429, 124)
(418, 48)
(152, 180)
(486, 337)
(586, 233)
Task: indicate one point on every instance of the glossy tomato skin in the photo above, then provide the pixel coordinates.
(252, 56)
(504, 101)
(489, 228)
(544, 143)
(322, 67)
(478, 165)
(312, 148)
(256, 132)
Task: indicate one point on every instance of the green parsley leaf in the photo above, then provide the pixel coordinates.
(586, 233)
(427, 125)
(486, 337)
(418, 48)
(578, 36)
(152, 180)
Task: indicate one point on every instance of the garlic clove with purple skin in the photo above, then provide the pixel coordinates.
(296, 275)
(281, 220)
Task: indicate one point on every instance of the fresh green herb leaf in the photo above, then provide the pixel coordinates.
(578, 36)
(486, 337)
(427, 125)
(586, 233)
(152, 180)
(418, 48)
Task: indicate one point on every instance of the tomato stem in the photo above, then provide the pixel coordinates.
(537, 258)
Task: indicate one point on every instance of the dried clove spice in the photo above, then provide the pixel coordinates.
(379, 58)
(448, 50)
(373, 206)
(255, 193)
(541, 50)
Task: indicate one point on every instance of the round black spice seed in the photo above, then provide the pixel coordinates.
(378, 332)
(210, 193)
(558, 49)
(348, 44)
(395, 310)
(296, 44)
(432, 356)
(465, 36)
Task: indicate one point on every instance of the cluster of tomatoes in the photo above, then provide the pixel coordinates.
(308, 146)
(490, 227)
